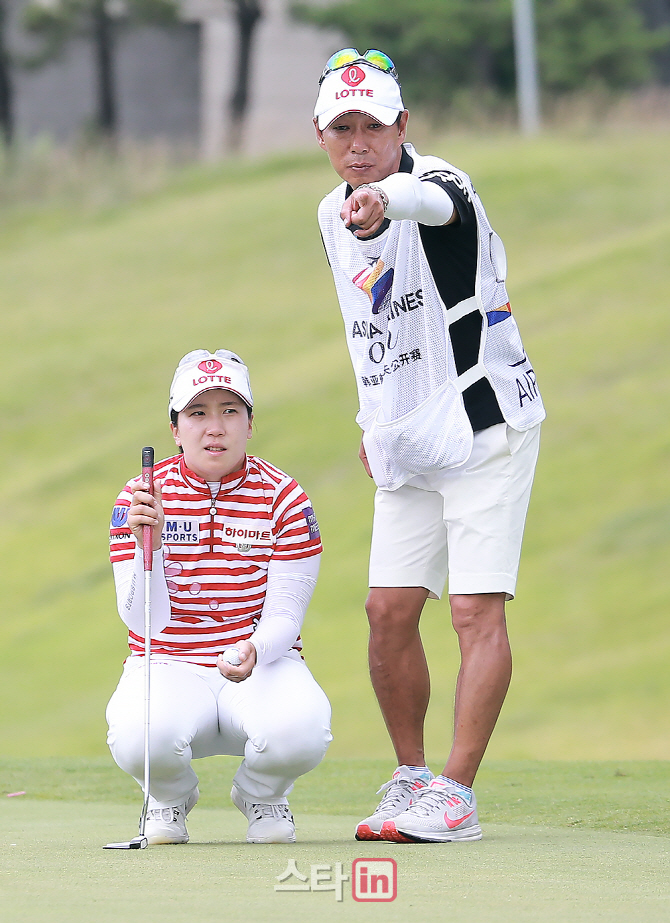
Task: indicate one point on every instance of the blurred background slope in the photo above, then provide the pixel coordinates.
(116, 259)
(99, 305)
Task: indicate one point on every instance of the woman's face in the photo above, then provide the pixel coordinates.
(213, 432)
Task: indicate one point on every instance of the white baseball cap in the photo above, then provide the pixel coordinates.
(201, 371)
(358, 87)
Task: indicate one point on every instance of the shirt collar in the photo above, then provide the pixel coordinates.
(228, 483)
(406, 160)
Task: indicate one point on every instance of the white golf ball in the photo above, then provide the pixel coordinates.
(232, 656)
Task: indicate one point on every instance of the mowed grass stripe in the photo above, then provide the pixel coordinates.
(602, 250)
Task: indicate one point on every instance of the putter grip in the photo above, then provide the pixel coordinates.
(148, 478)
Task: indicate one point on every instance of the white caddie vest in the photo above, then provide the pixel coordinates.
(397, 329)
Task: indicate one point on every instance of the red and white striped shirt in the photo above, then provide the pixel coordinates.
(216, 552)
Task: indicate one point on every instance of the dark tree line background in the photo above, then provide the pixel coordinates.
(6, 119)
(440, 46)
(54, 24)
(443, 46)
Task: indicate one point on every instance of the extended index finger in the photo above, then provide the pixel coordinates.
(347, 209)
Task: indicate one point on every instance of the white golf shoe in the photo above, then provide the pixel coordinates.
(166, 826)
(268, 823)
(399, 793)
(443, 813)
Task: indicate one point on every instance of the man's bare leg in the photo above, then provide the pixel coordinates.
(400, 675)
(398, 668)
(483, 680)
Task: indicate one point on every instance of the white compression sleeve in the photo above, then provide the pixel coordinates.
(289, 591)
(409, 198)
(129, 581)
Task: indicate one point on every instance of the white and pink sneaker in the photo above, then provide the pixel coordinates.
(399, 793)
(442, 812)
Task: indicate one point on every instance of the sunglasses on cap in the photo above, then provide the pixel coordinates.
(347, 56)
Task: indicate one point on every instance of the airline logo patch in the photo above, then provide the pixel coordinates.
(375, 283)
(247, 531)
(181, 531)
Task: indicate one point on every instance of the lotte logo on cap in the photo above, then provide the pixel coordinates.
(353, 75)
(210, 366)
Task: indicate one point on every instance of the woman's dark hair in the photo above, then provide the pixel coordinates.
(174, 415)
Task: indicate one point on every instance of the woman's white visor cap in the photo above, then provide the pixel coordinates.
(201, 371)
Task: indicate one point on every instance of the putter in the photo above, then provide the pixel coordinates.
(140, 841)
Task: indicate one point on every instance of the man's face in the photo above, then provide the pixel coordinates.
(361, 149)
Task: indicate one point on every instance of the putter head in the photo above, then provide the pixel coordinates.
(137, 842)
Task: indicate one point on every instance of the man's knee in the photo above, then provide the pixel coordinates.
(478, 614)
(394, 610)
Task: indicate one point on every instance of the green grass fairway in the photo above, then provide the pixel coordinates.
(525, 868)
(623, 796)
(99, 303)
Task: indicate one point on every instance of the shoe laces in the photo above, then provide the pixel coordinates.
(168, 815)
(396, 791)
(428, 799)
(275, 811)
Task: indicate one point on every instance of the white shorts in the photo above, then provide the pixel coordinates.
(465, 523)
(278, 720)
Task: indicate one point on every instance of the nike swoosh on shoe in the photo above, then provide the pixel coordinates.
(453, 822)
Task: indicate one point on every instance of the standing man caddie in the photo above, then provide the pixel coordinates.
(450, 412)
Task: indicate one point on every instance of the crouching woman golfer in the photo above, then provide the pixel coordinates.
(236, 552)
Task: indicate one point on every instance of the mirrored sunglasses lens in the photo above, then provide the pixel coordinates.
(341, 58)
(379, 59)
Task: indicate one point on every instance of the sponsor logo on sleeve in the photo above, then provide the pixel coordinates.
(119, 516)
(312, 523)
(446, 177)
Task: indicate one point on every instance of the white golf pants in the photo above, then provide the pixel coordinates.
(278, 720)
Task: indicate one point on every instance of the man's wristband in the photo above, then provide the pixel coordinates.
(379, 190)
